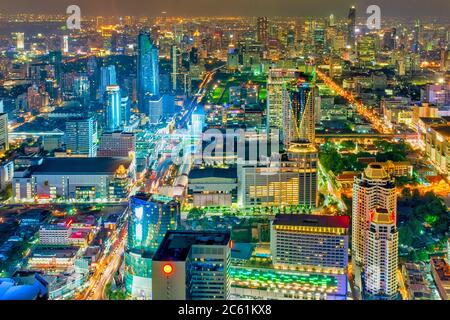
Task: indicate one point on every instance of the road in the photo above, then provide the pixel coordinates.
(365, 112)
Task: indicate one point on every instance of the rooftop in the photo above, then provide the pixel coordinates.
(177, 244)
(308, 220)
(81, 166)
(230, 173)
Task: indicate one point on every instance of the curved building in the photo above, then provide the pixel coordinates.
(151, 217)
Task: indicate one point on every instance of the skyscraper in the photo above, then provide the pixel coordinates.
(20, 40)
(113, 118)
(380, 272)
(148, 71)
(108, 77)
(374, 189)
(55, 59)
(151, 217)
(277, 96)
(80, 134)
(192, 265)
(262, 30)
(291, 102)
(175, 58)
(351, 24)
(4, 144)
(298, 118)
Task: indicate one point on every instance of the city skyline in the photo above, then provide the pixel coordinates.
(303, 8)
(225, 157)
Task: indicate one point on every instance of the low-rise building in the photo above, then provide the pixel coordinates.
(440, 270)
(83, 179)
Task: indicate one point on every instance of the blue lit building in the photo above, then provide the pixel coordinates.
(150, 218)
(107, 78)
(147, 70)
(113, 108)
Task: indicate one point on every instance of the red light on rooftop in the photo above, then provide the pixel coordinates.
(167, 269)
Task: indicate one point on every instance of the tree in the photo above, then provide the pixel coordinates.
(196, 213)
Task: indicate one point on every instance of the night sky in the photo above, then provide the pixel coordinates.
(390, 8)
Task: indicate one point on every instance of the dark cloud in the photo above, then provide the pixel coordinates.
(400, 8)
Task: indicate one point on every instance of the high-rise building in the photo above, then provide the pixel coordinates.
(19, 37)
(292, 181)
(154, 109)
(66, 44)
(55, 60)
(262, 30)
(291, 105)
(147, 70)
(117, 144)
(175, 58)
(80, 136)
(192, 265)
(277, 95)
(113, 106)
(299, 118)
(380, 272)
(310, 242)
(351, 24)
(108, 78)
(373, 189)
(4, 144)
(151, 217)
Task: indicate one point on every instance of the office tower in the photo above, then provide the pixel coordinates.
(310, 242)
(148, 71)
(380, 272)
(151, 217)
(108, 78)
(154, 109)
(366, 50)
(55, 60)
(262, 30)
(351, 24)
(4, 144)
(198, 121)
(80, 136)
(81, 86)
(192, 265)
(418, 37)
(277, 95)
(66, 44)
(373, 189)
(194, 56)
(125, 109)
(117, 144)
(175, 58)
(113, 105)
(291, 100)
(292, 181)
(331, 22)
(299, 118)
(19, 37)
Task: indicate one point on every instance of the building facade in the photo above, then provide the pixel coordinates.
(310, 243)
(191, 265)
(373, 189)
(152, 216)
